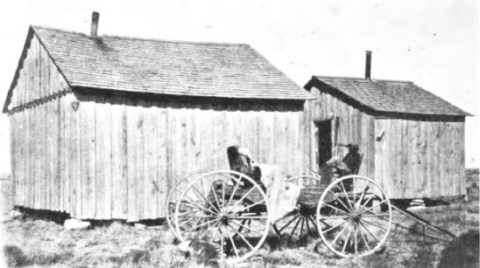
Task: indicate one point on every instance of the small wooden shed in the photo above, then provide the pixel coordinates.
(103, 126)
(411, 140)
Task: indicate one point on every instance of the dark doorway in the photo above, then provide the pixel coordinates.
(324, 141)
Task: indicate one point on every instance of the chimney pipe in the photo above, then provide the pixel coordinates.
(368, 65)
(94, 29)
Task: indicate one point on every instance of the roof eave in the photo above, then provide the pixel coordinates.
(139, 91)
(315, 81)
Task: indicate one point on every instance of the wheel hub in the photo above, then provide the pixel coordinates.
(224, 219)
(356, 217)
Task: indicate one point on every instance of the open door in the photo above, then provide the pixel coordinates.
(324, 141)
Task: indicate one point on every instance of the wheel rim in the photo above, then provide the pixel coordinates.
(354, 216)
(216, 209)
(173, 197)
(300, 222)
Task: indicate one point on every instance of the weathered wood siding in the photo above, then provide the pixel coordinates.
(116, 157)
(133, 150)
(104, 156)
(37, 132)
(420, 158)
(414, 159)
(38, 77)
(354, 126)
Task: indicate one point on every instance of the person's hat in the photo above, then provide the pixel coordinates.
(352, 146)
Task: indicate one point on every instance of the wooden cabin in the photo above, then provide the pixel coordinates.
(411, 140)
(103, 126)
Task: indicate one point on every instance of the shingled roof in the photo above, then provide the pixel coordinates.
(386, 96)
(166, 67)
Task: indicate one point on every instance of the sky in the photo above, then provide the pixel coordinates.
(434, 43)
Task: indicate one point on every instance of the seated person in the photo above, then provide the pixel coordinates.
(336, 168)
(282, 195)
(351, 162)
(240, 161)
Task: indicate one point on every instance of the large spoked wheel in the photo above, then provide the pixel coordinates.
(219, 208)
(354, 216)
(300, 222)
(175, 194)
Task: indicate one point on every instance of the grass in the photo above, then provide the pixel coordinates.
(34, 242)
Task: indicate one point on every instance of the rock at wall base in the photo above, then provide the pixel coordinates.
(74, 224)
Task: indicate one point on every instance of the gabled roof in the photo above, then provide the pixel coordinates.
(386, 96)
(166, 67)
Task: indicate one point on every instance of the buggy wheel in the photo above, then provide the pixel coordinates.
(300, 222)
(218, 209)
(354, 216)
(174, 195)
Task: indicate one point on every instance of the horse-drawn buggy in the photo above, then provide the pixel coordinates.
(234, 209)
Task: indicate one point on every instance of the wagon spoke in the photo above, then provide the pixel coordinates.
(209, 229)
(223, 193)
(254, 204)
(242, 237)
(334, 227)
(244, 217)
(314, 224)
(354, 179)
(363, 194)
(245, 195)
(338, 199)
(336, 208)
(294, 228)
(187, 213)
(217, 231)
(234, 247)
(345, 242)
(289, 214)
(248, 228)
(363, 237)
(346, 196)
(199, 207)
(368, 200)
(355, 241)
(368, 231)
(184, 222)
(374, 224)
(196, 222)
(339, 234)
(295, 216)
(201, 225)
(232, 194)
(342, 217)
(222, 242)
(214, 192)
(204, 198)
(374, 206)
(308, 225)
(373, 214)
(301, 226)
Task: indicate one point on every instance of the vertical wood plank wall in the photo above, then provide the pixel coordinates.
(426, 160)
(414, 159)
(38, 77)
(117, 158)
(37, 132)
(354, 126)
